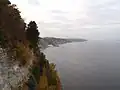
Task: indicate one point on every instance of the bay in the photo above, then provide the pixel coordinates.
(91, 65)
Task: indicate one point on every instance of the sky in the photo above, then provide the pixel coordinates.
(89, 19)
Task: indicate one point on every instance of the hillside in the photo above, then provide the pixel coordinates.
(22, 65)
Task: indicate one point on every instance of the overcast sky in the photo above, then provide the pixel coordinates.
(89, 19)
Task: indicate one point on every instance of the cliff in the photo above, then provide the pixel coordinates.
(22, 65)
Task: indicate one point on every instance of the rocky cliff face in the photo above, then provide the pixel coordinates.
(12, 75)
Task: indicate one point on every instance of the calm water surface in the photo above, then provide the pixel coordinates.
(91, 65)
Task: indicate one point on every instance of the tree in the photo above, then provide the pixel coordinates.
(5, 2)
(32, 33)
(11, 23)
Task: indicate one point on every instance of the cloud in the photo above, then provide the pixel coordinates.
(74, 18)
(58, 12)
(34, 2)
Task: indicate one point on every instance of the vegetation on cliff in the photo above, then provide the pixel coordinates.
(19, 43)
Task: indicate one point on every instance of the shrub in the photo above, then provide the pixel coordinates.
(36, 73)
(22, 53)
(2, 39)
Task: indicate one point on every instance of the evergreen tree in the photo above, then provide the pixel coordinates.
(32, 33)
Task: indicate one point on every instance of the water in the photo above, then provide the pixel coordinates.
(92, 65)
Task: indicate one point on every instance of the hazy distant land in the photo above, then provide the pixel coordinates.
(47, 41)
